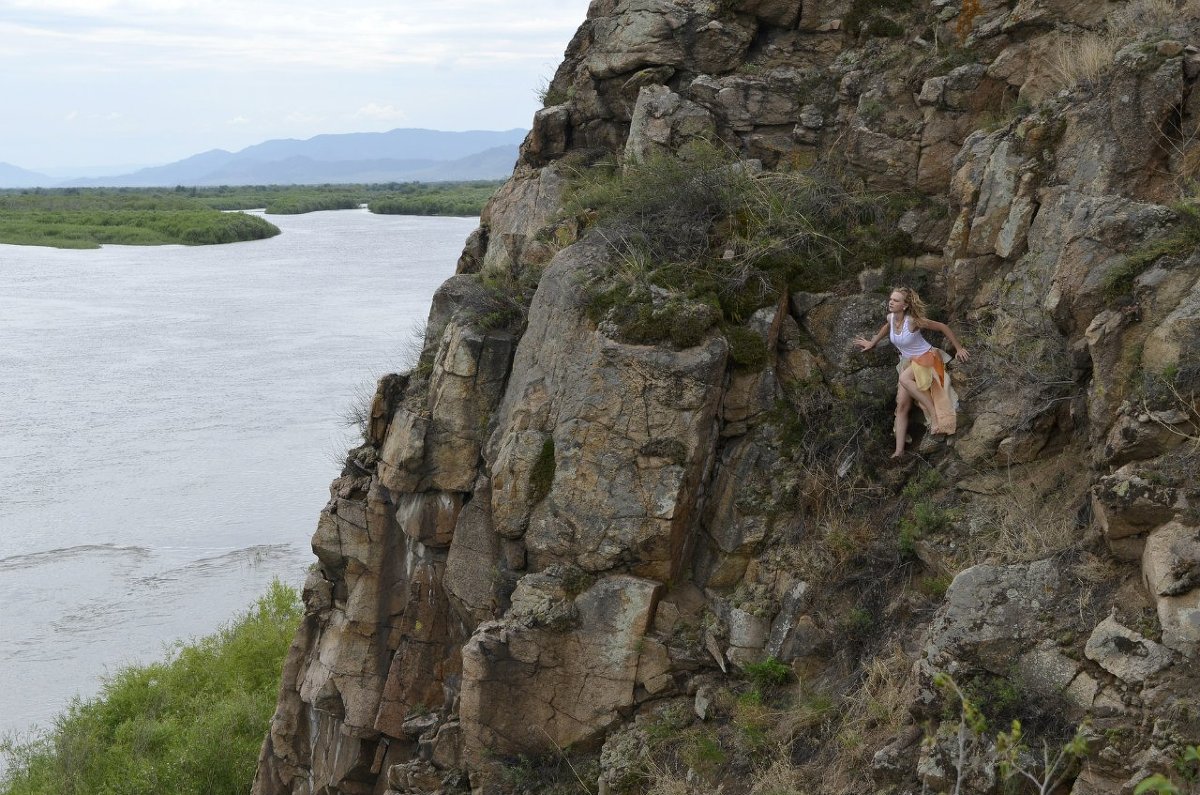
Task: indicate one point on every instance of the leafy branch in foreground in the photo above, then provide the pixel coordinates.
(1013, 757)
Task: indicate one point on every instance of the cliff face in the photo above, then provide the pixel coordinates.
(565, 534)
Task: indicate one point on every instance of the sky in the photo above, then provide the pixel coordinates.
(117, 83)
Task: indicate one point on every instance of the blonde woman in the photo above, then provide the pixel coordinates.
(922, 370)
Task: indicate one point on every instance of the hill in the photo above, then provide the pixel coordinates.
(14, 177)
(401, 155)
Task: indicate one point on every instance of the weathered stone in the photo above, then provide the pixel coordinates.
(530, 690)
(991, 614)
(474, 560)
(653, 664)
(781, 13)
(884, 162)
(1124, 653)
(425, 639)
(746, 630)
(745, 102)
(663, 121)
(429, 517)
(940, 766)
(611, 404)
(1174, 344)
(1126, 504)
(549, 137)
(414, 777)
(639, 33)
(401, 462)
(517, 217)
(1171, 568)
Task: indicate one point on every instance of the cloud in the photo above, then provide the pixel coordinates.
(238, 121)
(374, 110)
(221, 34)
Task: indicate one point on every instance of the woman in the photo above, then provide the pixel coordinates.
(922, 368)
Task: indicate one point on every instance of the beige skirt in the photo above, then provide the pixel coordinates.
(929, 371)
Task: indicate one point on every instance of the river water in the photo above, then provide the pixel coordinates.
(170, 420)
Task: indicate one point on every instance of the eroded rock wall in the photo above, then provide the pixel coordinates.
(550, 533)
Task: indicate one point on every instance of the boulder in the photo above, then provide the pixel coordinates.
(629, 429)
(991, 615)
(1124, 653)
(1126, 503)
(529, 689)
(1171, 569)
(663, 121)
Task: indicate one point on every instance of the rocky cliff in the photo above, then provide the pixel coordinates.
(628, 525)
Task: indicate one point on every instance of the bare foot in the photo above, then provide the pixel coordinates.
(898, 454)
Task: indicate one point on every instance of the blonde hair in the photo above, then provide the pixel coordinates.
(914, 306)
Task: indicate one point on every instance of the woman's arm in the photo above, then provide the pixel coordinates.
(866, 345)
(959, 351)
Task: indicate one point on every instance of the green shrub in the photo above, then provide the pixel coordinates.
(924, 518)
(700, 229)
(191, 724)
(747, 348)
(934, 587)
(767, 675)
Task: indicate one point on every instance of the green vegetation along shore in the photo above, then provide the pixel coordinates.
(89, 220)
(91, 217)
(189, 725)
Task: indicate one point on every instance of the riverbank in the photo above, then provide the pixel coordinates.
(91, 217)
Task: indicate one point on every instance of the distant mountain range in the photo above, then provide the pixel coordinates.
(13, 177)
(402, 155)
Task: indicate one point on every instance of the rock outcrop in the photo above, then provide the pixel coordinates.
(560, 539)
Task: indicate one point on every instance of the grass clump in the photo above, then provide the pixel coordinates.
(747, 348)
(1085, 59)
(767, 675)
(701, 238)
(192, 723)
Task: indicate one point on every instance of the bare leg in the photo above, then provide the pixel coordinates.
(903, 404)
(908, 382)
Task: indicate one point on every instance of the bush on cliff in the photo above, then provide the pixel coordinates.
(192, 724)
(701, 228)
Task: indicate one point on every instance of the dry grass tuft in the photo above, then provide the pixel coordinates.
(1028, 525)
(1084, 59)
(781, 778)
(872, 714)
(878, 708)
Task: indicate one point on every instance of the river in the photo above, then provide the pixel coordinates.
(170, 419)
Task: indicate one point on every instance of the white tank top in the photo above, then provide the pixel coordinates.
(909, 342)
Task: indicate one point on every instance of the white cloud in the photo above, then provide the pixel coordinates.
(187, 75)
(226, 35)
